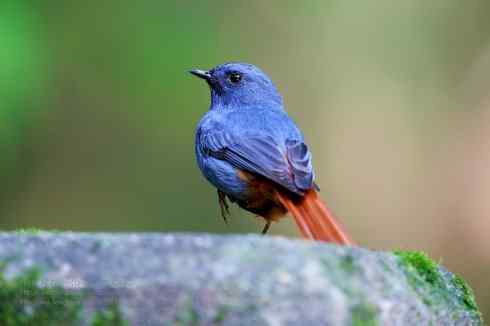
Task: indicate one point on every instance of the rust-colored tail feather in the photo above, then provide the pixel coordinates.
(314, 219)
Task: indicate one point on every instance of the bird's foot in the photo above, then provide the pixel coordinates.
(223, 205)
(266, 227)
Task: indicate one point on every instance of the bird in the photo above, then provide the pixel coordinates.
(249, 148)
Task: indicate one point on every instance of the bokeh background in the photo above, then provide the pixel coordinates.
(97, 115)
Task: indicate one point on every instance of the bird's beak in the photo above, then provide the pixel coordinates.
(201, 74)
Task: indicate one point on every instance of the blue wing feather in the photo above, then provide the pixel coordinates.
(299, 158)
(287, 164)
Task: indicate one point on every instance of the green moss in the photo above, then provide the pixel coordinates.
(220, 316)
(467, 296)
(425, 267)
(112, 316)
(24, 302)
(35, 231)
(188, 315)
(29, 231)
(29, 304)
(347, 264)
(436, 286)
(364, 314)
(423, 275)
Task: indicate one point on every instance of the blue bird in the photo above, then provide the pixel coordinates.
(254, 154)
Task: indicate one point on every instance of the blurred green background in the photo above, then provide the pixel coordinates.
(97, 115)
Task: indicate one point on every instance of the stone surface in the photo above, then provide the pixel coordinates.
(198, 279)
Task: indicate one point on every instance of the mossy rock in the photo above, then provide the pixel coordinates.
(190, 279)
(27, 302)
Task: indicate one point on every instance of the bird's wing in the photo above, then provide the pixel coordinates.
(288, 164)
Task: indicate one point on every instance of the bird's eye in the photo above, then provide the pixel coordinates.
(235, 77)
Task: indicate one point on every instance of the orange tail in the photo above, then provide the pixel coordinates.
(314, 219)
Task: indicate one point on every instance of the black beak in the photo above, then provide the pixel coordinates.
(201, 74)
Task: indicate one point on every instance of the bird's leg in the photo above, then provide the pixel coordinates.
(223, 205)
(266, 227)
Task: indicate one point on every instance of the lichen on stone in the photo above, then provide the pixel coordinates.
(111, 316)
(25, 302)
(347, 264)
(364, 314)
(187, 315)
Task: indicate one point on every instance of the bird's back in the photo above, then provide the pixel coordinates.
(257, 121)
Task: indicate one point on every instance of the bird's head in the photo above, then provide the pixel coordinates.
(239, 85)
